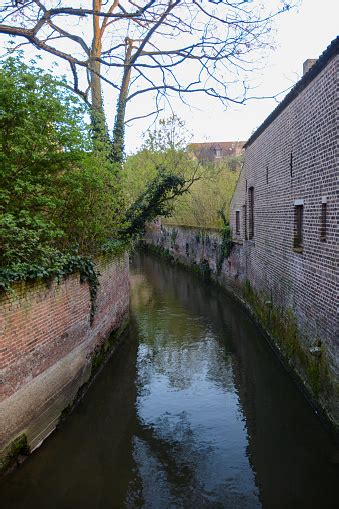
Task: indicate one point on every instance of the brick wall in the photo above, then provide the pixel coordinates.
(294, 160)
(47, 343)
(201, 249)
(291, 159)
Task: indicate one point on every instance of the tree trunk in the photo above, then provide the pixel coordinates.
(118, 146)
(100, 132)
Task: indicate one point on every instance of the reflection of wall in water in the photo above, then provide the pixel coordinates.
(275, 412)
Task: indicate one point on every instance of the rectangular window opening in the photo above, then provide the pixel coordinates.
(291, 164)
(323, 225)
(298, 226)
(237, 222)
(266, 174)
(251, 212)
(244, 215)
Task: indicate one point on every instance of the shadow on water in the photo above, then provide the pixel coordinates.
(193, 411)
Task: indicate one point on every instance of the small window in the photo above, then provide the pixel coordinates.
(251, 212)
(217, 151)
(244, 215)
(266, 174)
(237, 222)
(323, 223)
(298, 226)
(291, 164)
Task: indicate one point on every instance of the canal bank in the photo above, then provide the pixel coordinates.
(55, 335)
(194, 410)
(309, 353)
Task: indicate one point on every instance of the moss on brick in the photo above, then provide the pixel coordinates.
(19, 447)
(282, 327)
(99, 357)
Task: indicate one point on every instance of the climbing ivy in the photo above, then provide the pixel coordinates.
(68, 264)
(156, 200)
(226, 242)
(60, 196)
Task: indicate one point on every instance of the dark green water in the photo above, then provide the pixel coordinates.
(194, 411)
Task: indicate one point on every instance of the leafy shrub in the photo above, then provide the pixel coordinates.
(58, 196)
(210, 187)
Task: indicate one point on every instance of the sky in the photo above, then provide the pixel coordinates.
(301, 33)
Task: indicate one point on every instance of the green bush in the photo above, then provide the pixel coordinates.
(59, 197)
(209, 186)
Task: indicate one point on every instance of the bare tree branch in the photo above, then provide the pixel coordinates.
(156, 112)
(159, 47)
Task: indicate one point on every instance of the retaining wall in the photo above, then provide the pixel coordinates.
(47, 345)
(203, 250)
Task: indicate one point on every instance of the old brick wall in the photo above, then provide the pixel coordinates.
(199, 248)
(47, 343)
(295, 160)
(292, 159)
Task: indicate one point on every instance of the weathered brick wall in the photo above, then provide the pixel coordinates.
(190, 245)
(47, 343)
(200, 248)
(292, 159)
(303, 282)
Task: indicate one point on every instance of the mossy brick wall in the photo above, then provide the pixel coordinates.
(295, 160)
(188, 244)
(47, 343)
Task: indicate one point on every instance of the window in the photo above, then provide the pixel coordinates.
(298, 226)
(244, 215)
(217, 151)
(237, 222)
(291, 164)
(323, 221)
(251, 212)
(266, 174)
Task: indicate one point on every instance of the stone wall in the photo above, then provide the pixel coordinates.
(48, 343)
(199, 248)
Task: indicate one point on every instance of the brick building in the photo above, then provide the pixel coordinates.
(284, 212)
(216, 152)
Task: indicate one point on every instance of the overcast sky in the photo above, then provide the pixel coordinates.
(300, 34)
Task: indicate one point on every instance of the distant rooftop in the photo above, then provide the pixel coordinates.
(216, 150)
(331, 51)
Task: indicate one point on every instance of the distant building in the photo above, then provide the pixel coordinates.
(284, 214)
(214, 152)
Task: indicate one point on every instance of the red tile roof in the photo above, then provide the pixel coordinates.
(214, 150)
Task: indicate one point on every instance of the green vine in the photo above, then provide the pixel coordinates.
(174, 235)
(226, 242)
(65, 266)
(69, 265)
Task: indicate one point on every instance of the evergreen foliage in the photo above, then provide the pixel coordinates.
(155, 201)
(60, 197)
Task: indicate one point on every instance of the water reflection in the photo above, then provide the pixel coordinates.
(193, 412)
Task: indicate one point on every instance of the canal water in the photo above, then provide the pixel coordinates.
(193, 411)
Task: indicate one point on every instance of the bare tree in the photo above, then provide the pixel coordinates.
(157, 47)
